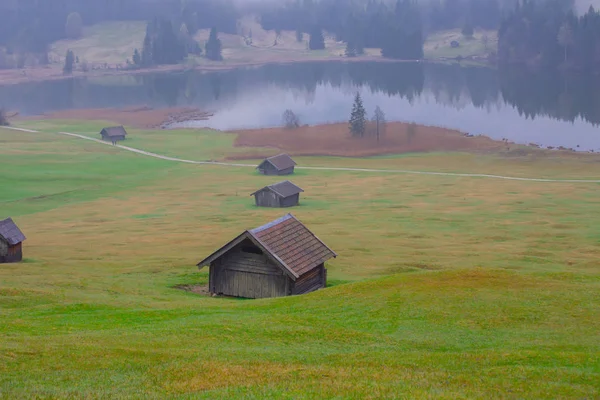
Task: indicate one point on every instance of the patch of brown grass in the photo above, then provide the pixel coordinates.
(138, 117)
(335, 140)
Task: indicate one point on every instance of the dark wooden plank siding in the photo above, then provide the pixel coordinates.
(3, 247)
(290, 201)
(310, 281)
(113, 138)
(287, 171)
(269, 169)
(242, 273)
(13, 254)
(267, 198)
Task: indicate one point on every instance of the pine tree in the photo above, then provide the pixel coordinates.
(358, 117)
(147, 56)
(317, 41)
(69, 61)
(213, 46)
(137, 59)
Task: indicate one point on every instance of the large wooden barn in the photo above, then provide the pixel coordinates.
(282, 194)
(281, 258)
(113, 134)
(281, 164)
(11, 239)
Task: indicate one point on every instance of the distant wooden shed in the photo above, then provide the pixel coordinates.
(11, 240)
(281, 258)
(281, 164)
(282, 194)
(113, 134)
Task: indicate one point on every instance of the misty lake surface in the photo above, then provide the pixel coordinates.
(543, 108)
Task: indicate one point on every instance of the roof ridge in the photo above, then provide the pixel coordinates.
(270, 224)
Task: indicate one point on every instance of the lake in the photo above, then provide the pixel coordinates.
(543, 108)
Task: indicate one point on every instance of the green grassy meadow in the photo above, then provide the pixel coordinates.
(445, 287)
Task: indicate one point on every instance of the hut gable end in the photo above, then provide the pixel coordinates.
(11, 239)
(10, 232)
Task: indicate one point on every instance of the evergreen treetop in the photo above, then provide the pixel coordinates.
(358, 117)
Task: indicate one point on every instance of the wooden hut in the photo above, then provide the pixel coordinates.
(282, 194)
(113, 134)
(281, 258)
(11, 239)
(281, 164)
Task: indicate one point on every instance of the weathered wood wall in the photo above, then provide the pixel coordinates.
(288, 171)
(241, 273)
(115, 138)
(290, 201)
(3, 247)
(269, 169)
(311, 281)
(13, 254)
(266, 198)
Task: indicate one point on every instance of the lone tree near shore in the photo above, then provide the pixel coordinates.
(69, 61)
(290, 120)
(137, 59)
(213, 46)
(358, 117)
(379, 123)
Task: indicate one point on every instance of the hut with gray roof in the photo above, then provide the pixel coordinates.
(282, 194)
(113, 134)
(281, 258)
(281, 164)
(11, 240)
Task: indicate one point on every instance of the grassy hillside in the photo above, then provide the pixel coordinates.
(445, 287)
(108, 42)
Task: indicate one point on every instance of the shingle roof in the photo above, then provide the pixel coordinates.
(114, 131)
(291, 242)
(281, 162)
(288, 242)
(10, 232)
(283, 189)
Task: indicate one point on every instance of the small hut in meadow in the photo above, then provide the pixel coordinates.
(113, 134)
(11, 239)
(281, 258)
(281, 164)
(282, 194)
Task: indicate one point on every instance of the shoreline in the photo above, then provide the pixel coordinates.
(43, 74)
(430, 137)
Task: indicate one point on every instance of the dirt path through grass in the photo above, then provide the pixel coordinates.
(397, 171)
